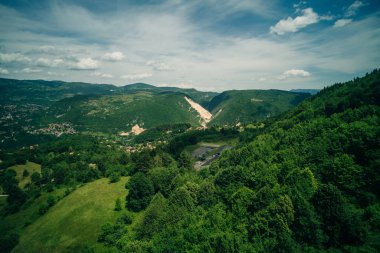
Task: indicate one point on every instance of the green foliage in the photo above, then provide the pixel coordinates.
(125, 219)
(185, 161)
(163, 179)
(114, 177)
(8, 242)
(154, 219)
(118, 205)
(110, 234)
(36, 177)
(140, 192)
(25, 173)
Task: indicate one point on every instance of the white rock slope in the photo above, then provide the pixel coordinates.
(203, 113)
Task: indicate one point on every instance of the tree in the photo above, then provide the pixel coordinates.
(143, 161)
(118, 205)
(8, 242)
(140, 193)
(16, 198)
(114, 177)
(154, 217)
(162, 179)
(25, 173)
(50, 201)
(36, 177)
(185, 161)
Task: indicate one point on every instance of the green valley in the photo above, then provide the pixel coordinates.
(161, 126)
(304, 179)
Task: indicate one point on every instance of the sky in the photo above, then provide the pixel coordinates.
(210, 45)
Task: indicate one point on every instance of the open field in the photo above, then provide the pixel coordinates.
(75, 221)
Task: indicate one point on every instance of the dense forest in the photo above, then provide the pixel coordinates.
(306, 182)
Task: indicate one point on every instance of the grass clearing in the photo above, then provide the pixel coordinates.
(30, 167)
(76, 220)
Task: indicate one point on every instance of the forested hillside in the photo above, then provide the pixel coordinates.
(306, 182)
(309, 183)
(117, 113)
(36, 111)
(247, 106)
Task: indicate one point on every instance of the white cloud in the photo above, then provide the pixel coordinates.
(86, 64)
(114, 56)
(30, 71)
(342, 22)
(293, 25)
(3, 71)
(294, 73)
(262, 79)
(45, 62)
(159, 65)
(353, 8)
(52, 73)
(102, 75)
(300, 4)
(14, 57)
(326, 17)
(136, 76)
(46, 49)
(177, 85)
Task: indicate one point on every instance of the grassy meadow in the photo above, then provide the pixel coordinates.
(75, 221)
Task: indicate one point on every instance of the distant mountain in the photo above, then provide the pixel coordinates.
(47, 92)
(115, 113)
(310, 91)
(32, 109)
(200, 97)
(244, 106)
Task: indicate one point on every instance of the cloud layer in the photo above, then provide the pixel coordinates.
(238, 45)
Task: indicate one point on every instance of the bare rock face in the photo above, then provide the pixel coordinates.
(136, 130)
(203, 113)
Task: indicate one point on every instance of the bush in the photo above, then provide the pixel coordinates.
(8, 242)
(125, 219)
(25, 173)
(50, 201)
(140, 192)
(118, 205)
(43, 209)
(114, 177)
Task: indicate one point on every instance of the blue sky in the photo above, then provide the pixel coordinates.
(205, 44)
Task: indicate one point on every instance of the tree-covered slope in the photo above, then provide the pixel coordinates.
(121, 112)
(307, 183)
(315, 172)
(46, 92)
(200, 97)
(245, 106)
